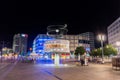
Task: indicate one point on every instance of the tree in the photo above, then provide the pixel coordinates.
(94, 53)
(10, 51)
(79, 50)
(99, 52)
(109, 50)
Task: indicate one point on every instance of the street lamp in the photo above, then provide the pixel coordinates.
(101, 37)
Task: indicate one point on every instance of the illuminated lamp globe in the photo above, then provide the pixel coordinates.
(57, 30)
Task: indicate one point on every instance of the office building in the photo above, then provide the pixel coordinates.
(114, 33)
(73, 39)
(38, 43)
(20, 43)
(84, 39)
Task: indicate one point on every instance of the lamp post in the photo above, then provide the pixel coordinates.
(101, 37)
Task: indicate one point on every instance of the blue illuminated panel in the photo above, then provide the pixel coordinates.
(38, 44)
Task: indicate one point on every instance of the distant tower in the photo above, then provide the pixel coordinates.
(20, 43)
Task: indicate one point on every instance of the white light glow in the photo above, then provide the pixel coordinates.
(53, 65)
(56, 59)
(23, 35)
(57, 30)
(118, 43)
(101, 37)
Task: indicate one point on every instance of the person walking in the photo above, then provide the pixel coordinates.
(82, 60)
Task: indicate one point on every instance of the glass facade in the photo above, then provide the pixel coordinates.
(87, 40)
(20, 43)
(38, 44)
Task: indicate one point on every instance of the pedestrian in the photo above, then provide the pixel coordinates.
(82, 60)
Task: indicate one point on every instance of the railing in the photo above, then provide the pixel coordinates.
(116, 63)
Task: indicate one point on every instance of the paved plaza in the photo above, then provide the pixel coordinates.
(29, 71)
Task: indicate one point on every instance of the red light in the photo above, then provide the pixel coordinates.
(26, 35)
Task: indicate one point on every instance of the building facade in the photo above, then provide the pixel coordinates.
(114, 33)
(38, 43)
(85, 39)
(73, 39)
(20, 43)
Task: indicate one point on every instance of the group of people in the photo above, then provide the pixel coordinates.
(84, 60)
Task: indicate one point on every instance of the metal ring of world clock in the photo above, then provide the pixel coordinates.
(57, 29)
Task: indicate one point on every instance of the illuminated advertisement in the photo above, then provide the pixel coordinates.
(56, 46)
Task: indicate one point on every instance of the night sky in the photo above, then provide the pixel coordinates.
(33, 17)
